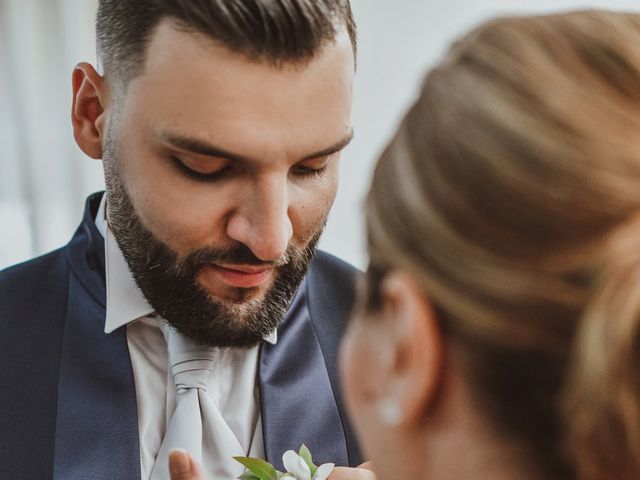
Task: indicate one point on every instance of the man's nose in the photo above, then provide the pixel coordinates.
(262, 221)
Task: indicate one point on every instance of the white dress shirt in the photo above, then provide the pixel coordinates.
(232, 384)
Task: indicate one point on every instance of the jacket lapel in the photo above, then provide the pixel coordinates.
(297, 401)
(97, 427)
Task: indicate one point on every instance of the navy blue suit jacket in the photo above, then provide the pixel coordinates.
(68, 404)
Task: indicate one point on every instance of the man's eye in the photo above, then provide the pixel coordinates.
(198, 175)
(306, 171)
(311, 170)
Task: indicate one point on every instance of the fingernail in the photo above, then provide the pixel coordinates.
(179, 461)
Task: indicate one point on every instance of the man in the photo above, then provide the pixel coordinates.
(220, 126)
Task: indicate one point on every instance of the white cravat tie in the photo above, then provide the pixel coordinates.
(197, 425)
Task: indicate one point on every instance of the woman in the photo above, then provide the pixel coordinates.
(498, 332)
(499, 336)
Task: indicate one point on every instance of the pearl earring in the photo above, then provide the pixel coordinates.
(390, 413)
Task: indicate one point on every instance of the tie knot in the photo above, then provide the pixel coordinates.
(192, 373)
(191, 364)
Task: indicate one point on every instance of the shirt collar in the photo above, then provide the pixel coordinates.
(272, 338)
(125, 301)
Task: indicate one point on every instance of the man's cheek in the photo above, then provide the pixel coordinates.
(313, 215)
(310, 229)
(181, 234)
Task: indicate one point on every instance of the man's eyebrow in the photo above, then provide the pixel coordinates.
(336, 147)
(201, 147)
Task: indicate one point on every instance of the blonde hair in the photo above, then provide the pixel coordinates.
(511, 192)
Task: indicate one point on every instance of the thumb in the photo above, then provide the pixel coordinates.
(182, 466)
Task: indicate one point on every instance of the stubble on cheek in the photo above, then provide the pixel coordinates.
(314, 215)
(173, 228)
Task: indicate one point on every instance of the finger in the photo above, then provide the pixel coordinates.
(366, 466)
(344, 473)
(183, 467)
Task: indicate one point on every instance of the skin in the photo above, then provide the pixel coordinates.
(398, 355)
(182, 466)
(379, 365)
(268, 137)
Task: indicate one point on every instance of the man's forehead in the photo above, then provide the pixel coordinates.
(203, 92)
(169, 35)
(184, 61)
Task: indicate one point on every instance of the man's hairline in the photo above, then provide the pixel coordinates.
(119, 86)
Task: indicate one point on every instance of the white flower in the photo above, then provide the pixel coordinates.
(299, 466)
(295, 465)
(324, 471)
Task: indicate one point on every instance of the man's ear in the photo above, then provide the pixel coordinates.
(88, 111)
(417, 349)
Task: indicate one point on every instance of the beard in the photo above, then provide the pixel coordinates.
(168, 280)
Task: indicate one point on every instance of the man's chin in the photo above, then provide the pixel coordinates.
(217, 338)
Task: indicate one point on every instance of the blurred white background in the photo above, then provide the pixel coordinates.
(44, 178)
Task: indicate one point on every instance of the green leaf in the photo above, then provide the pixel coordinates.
(261, 469)
(248, 476)
(305, 453)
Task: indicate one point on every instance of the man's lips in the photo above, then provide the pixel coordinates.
(240, 276)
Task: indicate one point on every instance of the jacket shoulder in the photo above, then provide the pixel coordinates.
(334, 276)
(33, 279)
(331, 261)
(33, 295)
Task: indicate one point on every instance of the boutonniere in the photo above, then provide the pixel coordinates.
(299, 466)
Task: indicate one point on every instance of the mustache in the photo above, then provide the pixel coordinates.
(237, 254)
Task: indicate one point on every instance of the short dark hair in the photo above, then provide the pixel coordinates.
(274, 30)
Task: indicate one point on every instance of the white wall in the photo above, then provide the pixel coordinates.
(398, 41)
(43, 175)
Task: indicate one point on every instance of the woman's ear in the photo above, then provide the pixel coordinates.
(415, 349)
(88, 111)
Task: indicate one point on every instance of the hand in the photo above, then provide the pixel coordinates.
(183, 466)
(362, 472)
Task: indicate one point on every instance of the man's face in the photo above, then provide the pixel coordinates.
(220, 175)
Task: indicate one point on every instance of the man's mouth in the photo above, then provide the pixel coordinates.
(240, 276)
